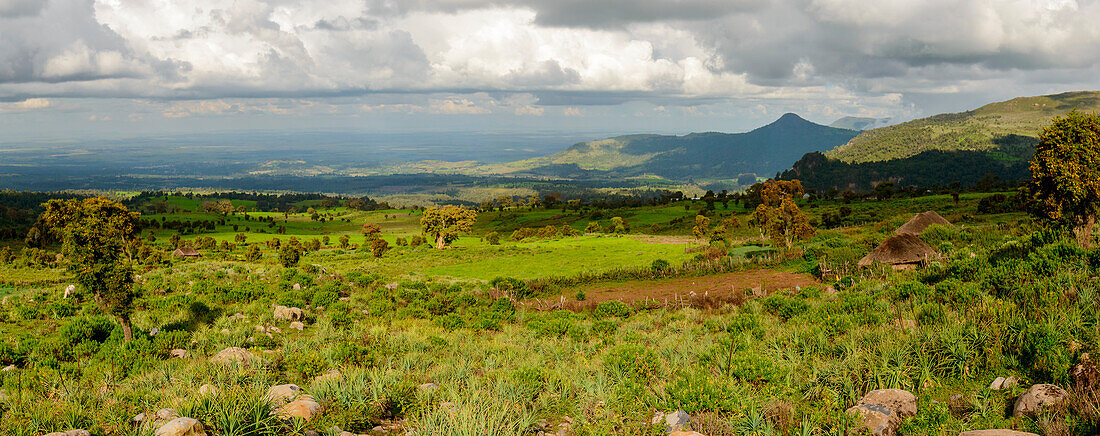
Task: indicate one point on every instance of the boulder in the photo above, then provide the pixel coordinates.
(428, 388)
(297, 325)
(237, 355)
(181, 427)
(996, 432)
(139, 418)
(69, 290)
(877, 419)
(1036, 398)
(305, 408)
(208, 390)
(673, 422)
(178, 353)
(284, 313)
(281, 394)
(901, 402)
(77, 432)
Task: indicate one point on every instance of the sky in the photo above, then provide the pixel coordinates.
(73, 69)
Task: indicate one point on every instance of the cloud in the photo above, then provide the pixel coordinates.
(20, 8)
(29, 104)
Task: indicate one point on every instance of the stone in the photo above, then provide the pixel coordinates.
(69, 290)
(332, 376)
(181, 427)
(1001, 383)
(877, 419)
(237, 355)
(139, 418)
(8, 368)
(297, 325)
(305, 408)
(297, 287)
(281, 394)
(428, 388)
(673, 422)
(166, 414)
(996, 432)
(1036, 398)
(77, 432)
(284, 313)
(208, 390)
(901, 402)
(178, 353)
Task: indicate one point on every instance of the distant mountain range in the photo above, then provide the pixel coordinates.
(998, 138)
(764, 151)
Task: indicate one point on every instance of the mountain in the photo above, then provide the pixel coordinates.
(1009, 126)
(998, 139)
(859, 123)
(765, 150)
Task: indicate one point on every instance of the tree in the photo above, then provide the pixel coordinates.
(778, 215)
(344, 241)
(444, 224)
(288, 256)
(379, 247)
(619, 225)
(95, 232)
(1065, 173)
(702, 227)
(372, 231)
(240, 238)
(493, 238)
(253, 253)
(593, 227)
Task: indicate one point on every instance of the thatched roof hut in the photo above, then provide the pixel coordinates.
(922, 221)
(904, 251)
(186, 252)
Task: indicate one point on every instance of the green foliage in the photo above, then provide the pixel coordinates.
(288, 256)
(614, 308)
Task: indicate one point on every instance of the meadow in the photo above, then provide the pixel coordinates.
(449, 342)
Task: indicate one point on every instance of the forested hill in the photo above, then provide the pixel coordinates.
(765, 151)
(1009, 126)
(996, 139)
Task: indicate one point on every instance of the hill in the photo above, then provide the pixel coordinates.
(1009, 126)
(711, 155)
(859, 123)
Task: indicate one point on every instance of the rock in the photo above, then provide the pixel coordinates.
(297, 287)
(901, 402)
(673, 422)
(237, 355)
(877, 419)
(428, 388)
(959, 405)
(1086, 376)
(69, 290)
(332, 376)
(166, 414)
(996, 432)
(139, 418)
(284, 313)
(178, 353)
(208, 390)
(297, 325)
(1037, 397)
(8, 368)
(77, 432)
(239, 316)
(281, 394)
(1001, 383)
(182, 427)
(304, 408)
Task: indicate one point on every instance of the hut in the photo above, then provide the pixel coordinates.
(186, 252)
(904, 251)
(922, 221)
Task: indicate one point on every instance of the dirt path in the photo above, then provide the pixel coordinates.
(727, 287)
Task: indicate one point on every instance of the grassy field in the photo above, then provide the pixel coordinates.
(1008, 298)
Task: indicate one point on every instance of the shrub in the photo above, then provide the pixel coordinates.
(581, 296)
(608, 309)
(784, 306)
(493, 238)
(305, 364)
(288, 256)
(449, 322)
(325, 297)
(659, 266)
(632, 360)
(515, 288)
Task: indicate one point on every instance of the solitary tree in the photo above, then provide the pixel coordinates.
(372, 231)
(444, 224)
(1065, 173)
(778, 215)
(702, 226)
(94, 233)
(288, 255)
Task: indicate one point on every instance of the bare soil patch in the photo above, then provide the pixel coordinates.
(706, 291)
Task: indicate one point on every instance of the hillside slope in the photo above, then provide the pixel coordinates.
(1009, 127)
(765, 150)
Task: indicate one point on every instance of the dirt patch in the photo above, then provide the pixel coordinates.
(667, 240)
(705, 291)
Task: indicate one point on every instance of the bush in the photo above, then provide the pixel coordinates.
(659, 266)
(609, 309)
(632, 361)
(493, 238)
(325, 298)
(288, 256)
(515, 288)
(784, 306)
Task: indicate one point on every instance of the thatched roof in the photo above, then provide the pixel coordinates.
(186, 252)
(921, 221)
(901, 249)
